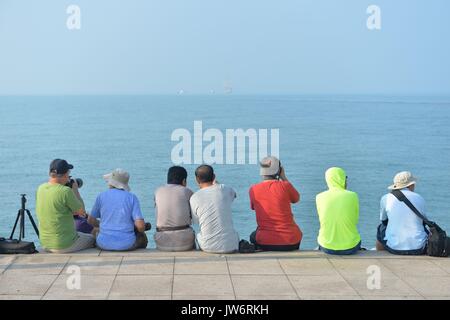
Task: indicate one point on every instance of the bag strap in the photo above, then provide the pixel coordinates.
(401, 197)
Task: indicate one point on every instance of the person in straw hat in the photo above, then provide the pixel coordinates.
(122, 225)
(401, 231)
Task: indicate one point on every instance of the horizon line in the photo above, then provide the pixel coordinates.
(398, 94)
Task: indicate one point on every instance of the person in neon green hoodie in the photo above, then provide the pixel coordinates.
(338, 210)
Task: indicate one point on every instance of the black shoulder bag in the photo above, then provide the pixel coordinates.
(14, 246)
(438, 244)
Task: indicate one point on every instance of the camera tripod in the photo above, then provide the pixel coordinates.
(21, 220)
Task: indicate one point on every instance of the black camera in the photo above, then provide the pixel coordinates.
(71, 182)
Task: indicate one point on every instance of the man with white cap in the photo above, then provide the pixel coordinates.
(401, 231)
(271, 200)
(122, 225)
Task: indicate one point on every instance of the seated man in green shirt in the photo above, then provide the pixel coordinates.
(56, 204)
(338, 210)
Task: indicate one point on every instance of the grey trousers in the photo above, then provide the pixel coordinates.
(84, 241)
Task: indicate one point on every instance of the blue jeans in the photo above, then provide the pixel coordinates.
(342, 252)
(381, 233)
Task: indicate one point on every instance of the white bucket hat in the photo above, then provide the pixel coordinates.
(118, 179)
(402, 180)
(269, 166)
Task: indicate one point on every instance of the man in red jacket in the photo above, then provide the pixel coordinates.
(271, 200)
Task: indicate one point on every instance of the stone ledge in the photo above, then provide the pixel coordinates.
(153, 274)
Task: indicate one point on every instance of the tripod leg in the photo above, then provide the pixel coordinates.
(15, 226)
(22, 225)
(32, 222)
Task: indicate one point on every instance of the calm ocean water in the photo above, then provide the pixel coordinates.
(371, 137)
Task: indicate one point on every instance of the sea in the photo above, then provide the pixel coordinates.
(372, 137)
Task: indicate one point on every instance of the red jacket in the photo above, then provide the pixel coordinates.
(271, 201)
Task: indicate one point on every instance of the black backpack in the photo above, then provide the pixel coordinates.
(246, 247)
(438, 243)
(13, 246)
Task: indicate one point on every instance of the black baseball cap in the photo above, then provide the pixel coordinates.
(60, 166)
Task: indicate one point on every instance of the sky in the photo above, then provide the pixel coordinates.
(203, 46)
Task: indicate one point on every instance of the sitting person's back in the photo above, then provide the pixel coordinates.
(122, 224)
(271, 200)
(56, 204)
(338, 211)
(405, 232)
(211, 209)
(173, 213)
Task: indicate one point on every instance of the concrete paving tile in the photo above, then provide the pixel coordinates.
(307, 266)
(13, 284)
(360, 267)
(392, 298)
(253, 266)
(283, 297)
(141, 285)
(86, 252)
(202, 285)
(430, 286)
(340, 297)
(147, 274)
(366, 254)
(90, 265)
(122, 297)
(146, 265)
(37, 265)
(156, 253)
(208, 265)
(5, 261)
(388, 287)
(19, 297)
(92, 286)
(373, 254)
(69, 297)
(414, 268)
(267, 285)
(188, 254)
(190, 297)
(443, 263)
(321, 286)
(282, 254)
(138, 252)
(405, 257)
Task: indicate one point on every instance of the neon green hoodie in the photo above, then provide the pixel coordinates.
(338, 211)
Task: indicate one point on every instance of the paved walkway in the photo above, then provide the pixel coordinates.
(151, 274)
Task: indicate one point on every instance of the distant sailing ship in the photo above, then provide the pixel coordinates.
(228, 88)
